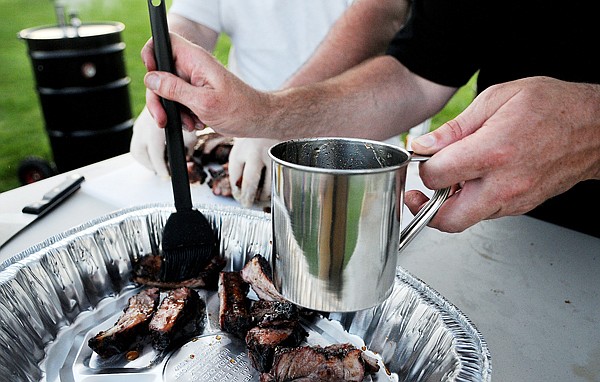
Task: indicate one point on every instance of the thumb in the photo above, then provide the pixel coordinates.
(466, 123)
(169, 86)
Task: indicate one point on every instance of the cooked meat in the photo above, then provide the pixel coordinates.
(147, 269)
(263, 341)
(234, 309)
(276, 324)
(147, 266)
(273, 333)
(257, 272)
(213, 147)
(371, 365)
(210, 148)
(273, 313)
(334, 363)
(196, 173)
(219, 181)
(131, 327)
(179, 317)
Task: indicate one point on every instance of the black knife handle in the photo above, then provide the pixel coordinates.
(53, 197)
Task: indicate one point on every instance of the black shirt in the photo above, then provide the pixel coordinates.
(448, 41)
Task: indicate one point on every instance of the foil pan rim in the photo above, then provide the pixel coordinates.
(428, 293)
(90, 224)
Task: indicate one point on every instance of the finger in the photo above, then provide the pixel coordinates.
(147, 54)
(146, 139)
(265, 192)
(189, 141)
(250, 180)
(171, 87)
(476, 156)
(156, 109)
(140, 154)
(156, 153)
(465, 124)
(189, 121)
(415, 200)
(236, 168)
(188, 55)
(464, 208)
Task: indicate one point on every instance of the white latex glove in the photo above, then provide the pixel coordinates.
(148, 144)
(247, 159)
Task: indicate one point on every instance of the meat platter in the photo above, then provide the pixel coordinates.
(57, 294)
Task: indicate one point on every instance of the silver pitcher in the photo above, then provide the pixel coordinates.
(336, 213)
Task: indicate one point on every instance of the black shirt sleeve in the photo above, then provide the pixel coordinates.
(439, 41)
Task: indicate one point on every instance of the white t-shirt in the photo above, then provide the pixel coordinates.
(270, 39)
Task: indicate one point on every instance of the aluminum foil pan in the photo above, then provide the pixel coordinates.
(55, 295)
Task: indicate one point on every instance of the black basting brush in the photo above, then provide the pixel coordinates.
(188, 240)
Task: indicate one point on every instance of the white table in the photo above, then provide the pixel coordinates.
(531, 288)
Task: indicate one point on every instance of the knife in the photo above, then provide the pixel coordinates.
(12, 224)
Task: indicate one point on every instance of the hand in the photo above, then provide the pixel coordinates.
(203, 86)
(517, 144)
(148, 144)
(249, 162)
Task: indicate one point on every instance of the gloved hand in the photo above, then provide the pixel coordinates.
(247, 159)
(148, 144)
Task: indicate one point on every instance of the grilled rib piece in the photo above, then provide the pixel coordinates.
(262, 342)
(131, 327)
(234, 308)
(257, 272)
(273, 313)
(334, 363)
(179, 317)
(147, 269)
(276, 324)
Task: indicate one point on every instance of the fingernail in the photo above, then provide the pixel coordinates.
(152, 81)
(426, 140)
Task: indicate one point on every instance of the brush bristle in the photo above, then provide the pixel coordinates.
(188, 245)
(183, 263)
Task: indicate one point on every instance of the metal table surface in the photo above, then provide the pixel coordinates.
(531, 288)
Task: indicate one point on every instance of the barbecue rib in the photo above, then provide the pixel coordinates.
(179, 317)
(262, 342)
(334, 363)
(273, 332)
(146, 271)
(273, 313)
(257, 272)
(130, 329)
(234, 308)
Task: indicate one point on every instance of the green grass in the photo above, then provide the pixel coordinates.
(22, 131)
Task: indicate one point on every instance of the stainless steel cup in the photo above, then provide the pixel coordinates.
(336, 211)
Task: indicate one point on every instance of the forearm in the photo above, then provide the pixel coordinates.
(362, 32)
(590, 129)
(192, 31)
(376, 100)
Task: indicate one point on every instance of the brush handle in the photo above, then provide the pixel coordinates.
(173, 130)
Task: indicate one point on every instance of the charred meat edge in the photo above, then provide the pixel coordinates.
(257, 272)
(130, 329)
(338, 362)
(146, 272)
(262, 342)
(179, 317)
(234, 305)
(273, 313)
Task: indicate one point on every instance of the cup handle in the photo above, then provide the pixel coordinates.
(426, 213)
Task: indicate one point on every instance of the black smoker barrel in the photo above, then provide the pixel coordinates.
(83, 90)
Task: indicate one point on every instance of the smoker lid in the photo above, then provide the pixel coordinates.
(59, 38)
(68, 31)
